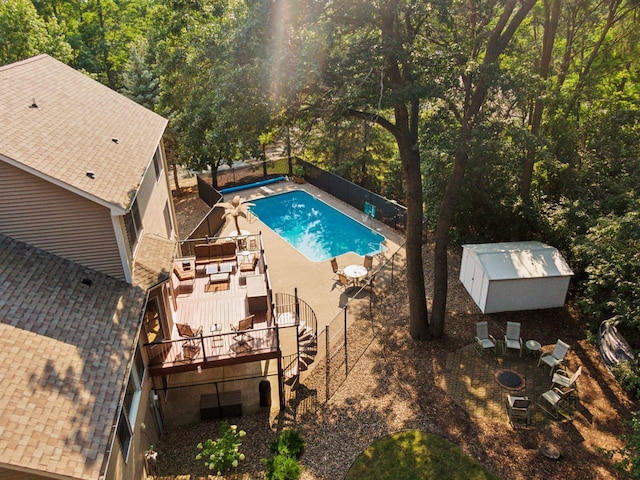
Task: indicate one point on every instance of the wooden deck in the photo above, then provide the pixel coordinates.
(213, 313)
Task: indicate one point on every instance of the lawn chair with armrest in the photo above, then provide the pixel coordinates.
(556, 357)
(243, 340)
(512, 339)
(555, 400)
(483, 340)
(518, 408)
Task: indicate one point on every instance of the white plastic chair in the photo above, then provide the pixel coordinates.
(512, 338)
(483, 340)
(564, 379)
(556, 357)
(556, 400)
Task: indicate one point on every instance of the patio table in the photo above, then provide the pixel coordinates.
(355, 272)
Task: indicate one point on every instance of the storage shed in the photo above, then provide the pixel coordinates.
(511, 276)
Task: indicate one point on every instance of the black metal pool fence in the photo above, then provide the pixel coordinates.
(386, 211)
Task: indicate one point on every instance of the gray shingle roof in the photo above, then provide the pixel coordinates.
(65, 348)
(71, 130)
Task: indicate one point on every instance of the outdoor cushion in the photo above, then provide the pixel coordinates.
(229, 248)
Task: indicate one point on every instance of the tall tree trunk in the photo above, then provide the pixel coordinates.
(550, 28)
(497, 42)
(410, 157)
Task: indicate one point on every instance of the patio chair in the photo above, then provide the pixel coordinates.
(518, 408)
(368, 262)
(186, 275)
(243, 340)
(564, 379)
(555, 400)
(512, 338)
(190, 352)
(556, 357)
(344, 281)
(336, 269)
(483, 339)
(249, 267)
(185, 331)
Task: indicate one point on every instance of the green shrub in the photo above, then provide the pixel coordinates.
(630, 453)
(284, 463)
(289, 442)
(282, 467)
(628, 374)
(222, 454)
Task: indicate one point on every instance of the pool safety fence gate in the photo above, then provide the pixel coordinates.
(346, 337)
(387, 211)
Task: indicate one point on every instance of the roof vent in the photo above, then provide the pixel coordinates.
(34, 104)
(87, 281)
(91, 175)
(115, 140)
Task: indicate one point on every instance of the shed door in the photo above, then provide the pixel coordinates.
(477, 281)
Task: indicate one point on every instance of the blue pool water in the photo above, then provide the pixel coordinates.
(314, 228)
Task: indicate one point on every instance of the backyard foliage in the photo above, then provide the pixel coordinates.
(287, 449)
(223, 453)
(505, 121)
(630, 452)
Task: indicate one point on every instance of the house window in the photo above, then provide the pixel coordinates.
(167, 220)
(153, 321)
(130, 405)
(157, 162)
(133, 224)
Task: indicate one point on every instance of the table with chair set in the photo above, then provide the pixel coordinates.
(352, 275)
(562, 393)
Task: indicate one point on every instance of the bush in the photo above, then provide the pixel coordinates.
(628, 374)
(222, 454)
(282, 467)
(631, 451)
(284, 464)
(289, 442)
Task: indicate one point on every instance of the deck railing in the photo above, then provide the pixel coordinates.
(211, 348)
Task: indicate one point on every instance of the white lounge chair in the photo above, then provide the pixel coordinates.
(556, 357)
(483, 340)
(512, 338)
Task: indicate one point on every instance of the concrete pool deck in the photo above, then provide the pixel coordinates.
(289, 269)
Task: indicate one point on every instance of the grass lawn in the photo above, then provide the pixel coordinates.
(416, 455)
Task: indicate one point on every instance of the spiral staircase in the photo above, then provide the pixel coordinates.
(307, 350)
(293, 312)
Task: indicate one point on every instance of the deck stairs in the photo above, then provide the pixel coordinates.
(307, 350)
(296, 312)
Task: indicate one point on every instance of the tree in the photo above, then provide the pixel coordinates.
(23, 33)
(391, 63)
(212, 88)
(469, 114)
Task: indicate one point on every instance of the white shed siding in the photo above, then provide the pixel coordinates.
(514, 276)
(54, 219)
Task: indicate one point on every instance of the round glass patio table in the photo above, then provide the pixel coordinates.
(356, 272)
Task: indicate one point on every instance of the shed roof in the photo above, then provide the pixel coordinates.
(519, 260)
(65, 348)
(60, 124)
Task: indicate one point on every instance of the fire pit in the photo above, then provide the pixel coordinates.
(509, 380)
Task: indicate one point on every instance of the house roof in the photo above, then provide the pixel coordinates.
(60, 124)
(66, 336)
(519, 260)
(154, 261)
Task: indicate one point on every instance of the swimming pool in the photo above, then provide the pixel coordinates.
(314, 228)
